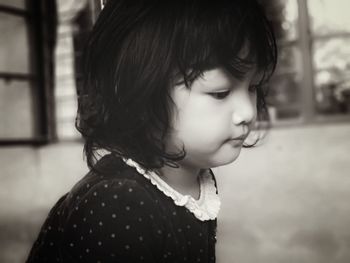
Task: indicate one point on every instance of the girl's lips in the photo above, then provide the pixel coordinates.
(237, 141)
(240, 138)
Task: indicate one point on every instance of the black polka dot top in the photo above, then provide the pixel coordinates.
(122, 217)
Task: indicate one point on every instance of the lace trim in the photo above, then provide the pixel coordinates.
(205, 208)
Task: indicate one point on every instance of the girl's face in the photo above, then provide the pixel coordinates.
(212, 118)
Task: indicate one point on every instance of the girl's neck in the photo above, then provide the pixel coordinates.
(183, 179)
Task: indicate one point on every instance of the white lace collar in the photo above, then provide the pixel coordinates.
(205, 208)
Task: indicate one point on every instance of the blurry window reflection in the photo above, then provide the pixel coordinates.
(332, 75)
(16, 107)
(329, 16)
(14, 3)
(284, 95)
(14, 52)
(75, 21)
(25, 71)
(312, 79)
(330, 26)
(16, 98)
(283, 14)
(285, 98)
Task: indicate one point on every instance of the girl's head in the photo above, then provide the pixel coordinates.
(155, 70)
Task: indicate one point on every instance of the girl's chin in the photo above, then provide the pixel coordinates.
(226, 154)
(225, 158)
(226, 162)
(231, 152)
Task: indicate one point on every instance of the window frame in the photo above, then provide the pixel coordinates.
(304, 42)
(40, 79)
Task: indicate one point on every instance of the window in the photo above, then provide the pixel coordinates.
(27, 38)
(75, 22)
(330, 32)
(312, 81)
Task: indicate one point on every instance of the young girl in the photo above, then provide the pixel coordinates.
(172, 89)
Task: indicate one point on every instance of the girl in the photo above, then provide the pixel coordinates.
(172, 89)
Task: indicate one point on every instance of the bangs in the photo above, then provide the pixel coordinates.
(238, 38)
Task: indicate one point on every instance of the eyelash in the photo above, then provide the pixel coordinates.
(223, 94)
(219, 95)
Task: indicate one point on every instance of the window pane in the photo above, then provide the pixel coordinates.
(329, 16)
(284, 95)
(283, 14)
(289, 60)
(14, 51)
(332, 79)
(332, 53)
(14, 3)
(16, 110)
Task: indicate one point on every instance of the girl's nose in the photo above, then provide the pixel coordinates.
(244, 108)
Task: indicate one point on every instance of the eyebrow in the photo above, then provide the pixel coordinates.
(214, 86)
(256, 78)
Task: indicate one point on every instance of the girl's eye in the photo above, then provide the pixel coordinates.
(219, 95)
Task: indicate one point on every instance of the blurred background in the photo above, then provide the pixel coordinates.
(287, 200)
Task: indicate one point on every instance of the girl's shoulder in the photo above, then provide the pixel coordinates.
(108, 215)
(111, 180)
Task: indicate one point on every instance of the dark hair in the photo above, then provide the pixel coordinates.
(136, 51)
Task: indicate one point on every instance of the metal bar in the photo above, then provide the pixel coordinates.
(333, 35)
(307, 90)
(14, 142)
(16, 76)
(43, 62)
(14, 10)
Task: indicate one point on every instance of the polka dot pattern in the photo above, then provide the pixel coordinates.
(122, 217)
